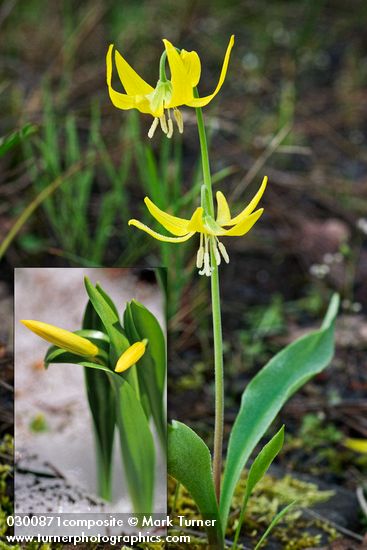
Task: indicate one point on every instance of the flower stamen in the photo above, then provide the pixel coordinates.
(207, 269)
(210, 246)
(153, 127)
(179, 120)
(166, 122)
(216, 252)
(170, 125)
(223, 251)
(200, 254)
(162, 120)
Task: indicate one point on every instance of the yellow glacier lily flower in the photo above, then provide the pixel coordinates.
(131, 356)
(185, 69)
(223, 226)
(62, 338)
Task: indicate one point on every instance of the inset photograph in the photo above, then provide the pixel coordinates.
(90, 391)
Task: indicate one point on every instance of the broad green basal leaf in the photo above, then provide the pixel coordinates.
(189, 462)
(268, 391)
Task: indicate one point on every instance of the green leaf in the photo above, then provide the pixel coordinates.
(102, 404)
(137, 446)
(110, 320)
(95, 335)
(189, 462)
(257, 471)
(91, 365)
(101, 398)
(140, 323)
(268, 391)
(91, 319)
(13, 139)
(108, 299)
(147, 325)
(134, 336)
(262, 462)
(55, 354)
(274, 522)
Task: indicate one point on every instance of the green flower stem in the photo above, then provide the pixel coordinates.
(217, 321)
(219, 390)
(162, 67)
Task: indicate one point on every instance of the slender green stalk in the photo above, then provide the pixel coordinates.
(217, 322)
(219, 390)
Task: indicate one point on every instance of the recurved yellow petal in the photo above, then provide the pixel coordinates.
(62, 338)
(131, 81)
(131, 356)
(244, 226)
(192, 66)
(181, 85)
(173, 224)
(358, 445)
(252, 205)
(196, 224)
(158, 236)
(120, 100)
(202, 101)
(223, 211)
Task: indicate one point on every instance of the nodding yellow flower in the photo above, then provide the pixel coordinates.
(211, 249)
(185, 69)
(63, 338)
(131, 356)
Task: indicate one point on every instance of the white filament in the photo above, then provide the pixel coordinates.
(153, 127)
(200, 254)
(170, 128)
(162, 120)
(224, 252)
(179, 120)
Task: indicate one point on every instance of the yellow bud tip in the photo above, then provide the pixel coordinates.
(131, 356)
(62, 338)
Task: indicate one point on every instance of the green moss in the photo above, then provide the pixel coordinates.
(322, 440)
(193, 380)
(6, 473)
(295, 532)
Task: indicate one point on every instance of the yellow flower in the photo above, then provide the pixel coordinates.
(185, 69)
(358, 445)
(63, 338)
(131, 356)
(210, 249)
